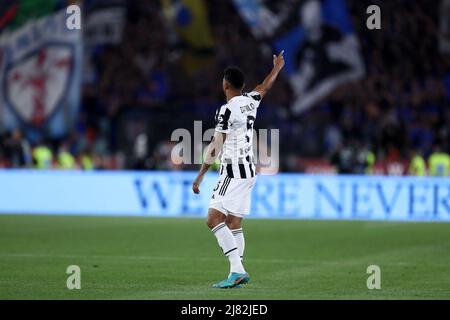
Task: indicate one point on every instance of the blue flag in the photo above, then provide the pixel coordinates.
(320, 48)
(321, 52)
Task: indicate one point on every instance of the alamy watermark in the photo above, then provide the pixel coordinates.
(191, 149)
(73, 21)
(74, 278)
(374, 20)
(374, 280)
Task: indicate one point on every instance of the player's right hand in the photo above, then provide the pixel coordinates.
(196, 185)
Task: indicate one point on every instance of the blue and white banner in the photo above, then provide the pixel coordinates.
(321, 52)
(321, 49)
(40, 79)
(169, 194)
(261, 20)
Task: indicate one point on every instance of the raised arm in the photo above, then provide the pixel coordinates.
(211, 153)
(278, 64)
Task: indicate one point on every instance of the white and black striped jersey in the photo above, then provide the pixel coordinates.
(236, 119)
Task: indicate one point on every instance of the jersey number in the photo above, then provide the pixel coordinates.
(250, 122)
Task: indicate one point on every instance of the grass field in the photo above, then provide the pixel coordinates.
(152, 258)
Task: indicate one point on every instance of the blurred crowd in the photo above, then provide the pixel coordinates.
(144, 88)
(16, 152)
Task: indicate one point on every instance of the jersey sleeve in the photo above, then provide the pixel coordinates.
(223, 119)
(255, 96)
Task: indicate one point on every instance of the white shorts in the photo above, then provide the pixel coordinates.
(232, 195)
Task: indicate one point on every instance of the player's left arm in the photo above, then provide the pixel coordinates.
(211, 153)
(278, 64)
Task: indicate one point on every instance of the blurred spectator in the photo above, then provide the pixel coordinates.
(16, 150)
(417, 166)
(364, 160)
(42, 156)
(87, 160)
(65, 158)
(163, 156)
(439, 162)
(344, 159)
(141, 159)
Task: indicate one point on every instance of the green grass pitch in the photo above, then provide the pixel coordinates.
(178, 258)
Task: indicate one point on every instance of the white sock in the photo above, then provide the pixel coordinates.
(228, 244)
(240, 241)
